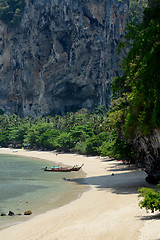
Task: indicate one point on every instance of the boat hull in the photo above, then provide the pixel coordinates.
(62, 169)
(57, 170)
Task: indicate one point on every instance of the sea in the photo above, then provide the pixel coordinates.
(25, 186)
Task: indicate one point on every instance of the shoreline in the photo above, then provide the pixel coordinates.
(108, 211)
(47, 187)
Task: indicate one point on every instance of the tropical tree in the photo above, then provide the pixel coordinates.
(136, 8)
(141, 79)
(4, 139)
(11, 11)
(17, 133)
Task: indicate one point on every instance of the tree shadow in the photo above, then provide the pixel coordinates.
(150, 217)
(108, 159)
(118, 183)
(120, 165)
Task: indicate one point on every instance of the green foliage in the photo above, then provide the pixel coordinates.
(64, 141)
(80, 132)
(151, 199)
(116, 147)
(40, 134)
(11, 11)
(17, 133)
(106, 147)
(4, 138)
(48, 139)
(93, 143)
(80, 147)
(1, 112)
(100, 110)
(136, 8)
(137, 92)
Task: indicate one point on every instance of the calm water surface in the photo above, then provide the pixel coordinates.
(24, 186)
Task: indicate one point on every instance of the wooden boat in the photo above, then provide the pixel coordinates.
(76, 168)
(63, 169)
(57, 169)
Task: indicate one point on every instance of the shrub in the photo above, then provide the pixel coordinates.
(80, 147)
(151, 198)
(93, 143)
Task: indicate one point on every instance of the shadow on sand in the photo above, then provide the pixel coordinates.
(151, 217)
(118, 183)
(119, 180)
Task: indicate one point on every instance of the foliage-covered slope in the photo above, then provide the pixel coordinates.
(11, 11)
(137, 92)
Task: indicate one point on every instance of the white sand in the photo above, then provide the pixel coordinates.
(108, 212)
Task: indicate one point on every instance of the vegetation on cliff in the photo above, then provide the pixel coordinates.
(136, 95)
(136, 8)
(11, 11)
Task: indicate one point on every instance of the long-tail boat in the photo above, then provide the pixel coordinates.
(76, 167)
(63, 168)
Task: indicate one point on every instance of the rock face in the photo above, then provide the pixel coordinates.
(62, 57)
(11, 213)
(148, 150)
(28, 212)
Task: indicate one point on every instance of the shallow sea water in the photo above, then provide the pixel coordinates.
(25, 186)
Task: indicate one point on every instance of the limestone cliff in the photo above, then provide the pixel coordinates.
(148, 153)
(62, 56)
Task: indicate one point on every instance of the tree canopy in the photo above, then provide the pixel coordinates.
(136, 8)
(138, 90)
(11, 11)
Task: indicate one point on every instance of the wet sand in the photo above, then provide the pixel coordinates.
(109, 211)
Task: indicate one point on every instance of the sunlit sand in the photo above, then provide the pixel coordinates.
(109, 211)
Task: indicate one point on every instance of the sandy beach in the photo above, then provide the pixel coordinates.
(109, 211)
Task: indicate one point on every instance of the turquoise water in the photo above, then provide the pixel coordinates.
(25, 186)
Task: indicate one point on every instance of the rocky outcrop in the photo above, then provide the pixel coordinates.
(11, 213)
(62, 57)
(148, 152)
(28, 212)
(3, 214)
